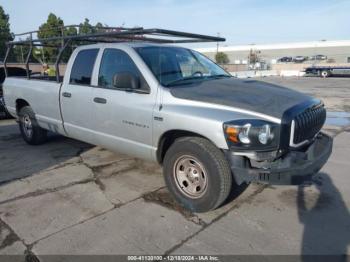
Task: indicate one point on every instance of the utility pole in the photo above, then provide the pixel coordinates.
(217, 44)
(62, 34)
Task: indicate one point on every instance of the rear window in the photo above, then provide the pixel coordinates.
(83, 67)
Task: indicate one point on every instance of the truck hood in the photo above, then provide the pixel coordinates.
(257, 96)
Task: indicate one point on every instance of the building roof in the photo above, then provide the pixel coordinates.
(312, 44)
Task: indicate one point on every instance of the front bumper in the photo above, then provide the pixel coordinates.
(294, 168)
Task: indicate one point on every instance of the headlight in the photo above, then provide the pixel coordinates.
(243, 135)
(265, 134)
(255, 134)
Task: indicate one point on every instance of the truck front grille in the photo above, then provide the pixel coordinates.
(307, 124)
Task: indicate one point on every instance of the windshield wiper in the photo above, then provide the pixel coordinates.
(197, 77)
(184, 79)
(219, 76)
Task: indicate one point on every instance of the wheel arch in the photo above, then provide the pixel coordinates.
(169, 137)
(20, 103)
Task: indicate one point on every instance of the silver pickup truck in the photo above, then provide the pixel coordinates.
(172, 105)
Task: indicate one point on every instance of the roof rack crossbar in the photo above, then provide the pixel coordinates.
(38, 45)
(187, 35)
(79, 26)
(169, 36)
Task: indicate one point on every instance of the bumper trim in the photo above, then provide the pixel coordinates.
(292, 169)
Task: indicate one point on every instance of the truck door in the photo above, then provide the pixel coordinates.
(76, 96)
(124, 117)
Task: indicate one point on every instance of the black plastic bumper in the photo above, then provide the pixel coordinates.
(292, 169)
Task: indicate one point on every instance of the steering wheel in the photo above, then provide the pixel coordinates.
(197, 73)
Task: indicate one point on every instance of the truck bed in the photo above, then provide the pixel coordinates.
(42, 95)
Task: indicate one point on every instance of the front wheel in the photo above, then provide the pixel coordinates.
(197, 174)
(31, 132)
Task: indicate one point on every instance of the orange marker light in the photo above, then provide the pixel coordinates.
(232, 134)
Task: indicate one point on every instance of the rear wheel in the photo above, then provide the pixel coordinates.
(325, 73)
(197, 174)
(31, 132)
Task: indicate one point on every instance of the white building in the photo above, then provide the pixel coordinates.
(335, 51)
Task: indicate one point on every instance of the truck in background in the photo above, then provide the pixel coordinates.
(327, 71)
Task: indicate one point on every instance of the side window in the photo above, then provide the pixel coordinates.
(116, 61)
(83, 67)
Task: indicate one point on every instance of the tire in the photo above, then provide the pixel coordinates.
(197, 174)
(31, 132)
(325, 73)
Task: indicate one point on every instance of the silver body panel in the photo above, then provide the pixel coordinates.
(42, 96)
(77, 110)
(129, 123)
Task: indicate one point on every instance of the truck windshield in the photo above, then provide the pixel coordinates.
(176, 66)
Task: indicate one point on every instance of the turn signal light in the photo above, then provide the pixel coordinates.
(232, 134)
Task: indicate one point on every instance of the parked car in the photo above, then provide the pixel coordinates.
(172, 105)
(299, 59)
(318, 57)
(285, 59)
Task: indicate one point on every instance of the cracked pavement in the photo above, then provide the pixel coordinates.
(67, 197)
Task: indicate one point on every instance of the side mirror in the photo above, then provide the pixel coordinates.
(126, 80)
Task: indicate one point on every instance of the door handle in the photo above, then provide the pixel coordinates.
(66, 94)
(100, 100)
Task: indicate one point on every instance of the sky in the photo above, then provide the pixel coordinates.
(239, 21)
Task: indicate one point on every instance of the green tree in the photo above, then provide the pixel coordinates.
(70, 31)
(53, 27)
(5, 33)
(98, 27)
(87, 28)
(221, 58)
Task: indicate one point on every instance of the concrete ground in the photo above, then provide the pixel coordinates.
(67, 197)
